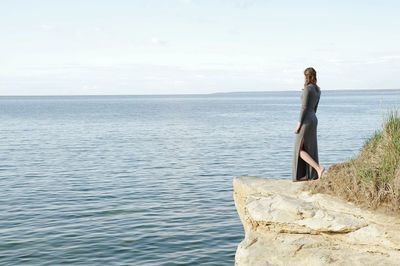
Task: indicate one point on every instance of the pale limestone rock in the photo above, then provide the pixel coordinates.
(286, 226)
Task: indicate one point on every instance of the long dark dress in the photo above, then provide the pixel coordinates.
(308, 134)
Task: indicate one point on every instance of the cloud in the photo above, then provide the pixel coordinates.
(244, 3)
(47, 27)
(158, 41)
(186, 2)
(365, 60)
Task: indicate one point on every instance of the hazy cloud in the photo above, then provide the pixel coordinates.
(158, 41)
(47, 27)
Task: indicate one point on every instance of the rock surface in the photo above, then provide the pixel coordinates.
(286, 226)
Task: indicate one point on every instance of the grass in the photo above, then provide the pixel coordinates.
(371, 178)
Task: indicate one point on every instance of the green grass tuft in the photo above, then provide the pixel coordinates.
(372, 178)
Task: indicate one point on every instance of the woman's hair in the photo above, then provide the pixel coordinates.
(310, 77)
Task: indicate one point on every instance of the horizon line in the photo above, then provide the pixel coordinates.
(176, 94)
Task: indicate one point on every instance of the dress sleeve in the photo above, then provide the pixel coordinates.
(304, 104)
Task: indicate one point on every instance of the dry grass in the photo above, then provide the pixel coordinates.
(372, 178)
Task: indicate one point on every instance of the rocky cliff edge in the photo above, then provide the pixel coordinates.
(287, 226)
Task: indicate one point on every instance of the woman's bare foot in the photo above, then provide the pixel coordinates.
(304, 178)
(321, 172)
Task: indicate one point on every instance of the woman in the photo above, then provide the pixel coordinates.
(305, 161)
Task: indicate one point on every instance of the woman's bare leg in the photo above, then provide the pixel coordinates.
(306, 157)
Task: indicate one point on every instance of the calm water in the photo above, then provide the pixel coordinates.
(140, 180)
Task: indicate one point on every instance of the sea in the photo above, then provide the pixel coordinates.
(147, 180)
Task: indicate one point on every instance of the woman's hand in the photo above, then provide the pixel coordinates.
(297, 129)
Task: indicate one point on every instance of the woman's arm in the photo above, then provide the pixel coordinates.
(316, 106)
(304, 104)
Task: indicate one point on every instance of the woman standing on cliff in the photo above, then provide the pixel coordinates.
(305, 162)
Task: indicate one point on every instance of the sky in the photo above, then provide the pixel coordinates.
(85, 47)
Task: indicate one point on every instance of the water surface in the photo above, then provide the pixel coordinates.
(147, 180)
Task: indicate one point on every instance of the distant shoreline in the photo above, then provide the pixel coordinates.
(193, 94)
